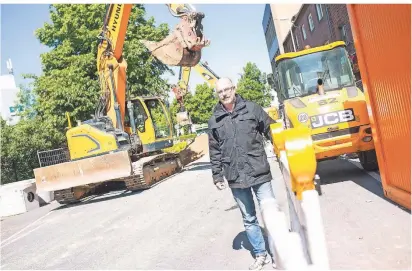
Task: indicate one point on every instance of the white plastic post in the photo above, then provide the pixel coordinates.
(315, 230)
(287, 247)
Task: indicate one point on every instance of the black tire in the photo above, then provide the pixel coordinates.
(368, 160)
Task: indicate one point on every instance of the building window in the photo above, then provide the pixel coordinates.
(303, 32)
(343, 33)
(319, 11)
(270, 33)
(310, 20)
(297, 41)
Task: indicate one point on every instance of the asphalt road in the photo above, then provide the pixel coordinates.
(363, 229)
(185, 223)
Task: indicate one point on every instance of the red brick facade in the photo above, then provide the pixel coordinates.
(333, 25)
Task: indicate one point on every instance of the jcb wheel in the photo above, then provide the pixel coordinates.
(368, 160)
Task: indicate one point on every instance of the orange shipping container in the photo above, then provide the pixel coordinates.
(382, 36)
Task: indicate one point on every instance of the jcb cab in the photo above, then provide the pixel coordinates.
(319, 89)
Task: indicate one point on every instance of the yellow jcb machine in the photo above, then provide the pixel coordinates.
(124, 140)
(320, 94)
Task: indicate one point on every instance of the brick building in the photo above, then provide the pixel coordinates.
(319, 24)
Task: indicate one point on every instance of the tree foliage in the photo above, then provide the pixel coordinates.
(201, 104)
(253, 85)
(19, 145)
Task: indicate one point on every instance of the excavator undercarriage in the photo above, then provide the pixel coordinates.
(74, 180)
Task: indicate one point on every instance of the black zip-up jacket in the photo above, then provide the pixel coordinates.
(236, 144)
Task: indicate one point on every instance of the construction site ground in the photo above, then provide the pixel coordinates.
(186, 223)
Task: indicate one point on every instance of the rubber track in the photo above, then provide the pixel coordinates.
(136, 181)
(65, 196)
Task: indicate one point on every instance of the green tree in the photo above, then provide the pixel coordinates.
(26, 99)
(19, 148)
(202, 103)
(253, 85)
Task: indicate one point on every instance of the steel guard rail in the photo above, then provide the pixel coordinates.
(304, 247)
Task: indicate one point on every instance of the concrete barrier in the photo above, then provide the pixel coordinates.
(18, 197)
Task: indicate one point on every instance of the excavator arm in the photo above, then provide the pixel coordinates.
(182, 47)
(182, 87)
(203, 69)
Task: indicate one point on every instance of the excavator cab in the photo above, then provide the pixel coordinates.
(183, 46)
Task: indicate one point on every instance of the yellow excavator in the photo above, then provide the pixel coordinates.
(124, 140)
(321, 95)
(182, 87)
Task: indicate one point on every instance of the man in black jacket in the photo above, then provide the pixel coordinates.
(236, 147)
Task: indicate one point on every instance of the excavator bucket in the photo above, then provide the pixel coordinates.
(183, 46)
(198, 148)
(183, 118)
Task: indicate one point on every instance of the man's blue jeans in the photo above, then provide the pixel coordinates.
(244, 199)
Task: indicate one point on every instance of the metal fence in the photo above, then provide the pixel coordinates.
(53, 157)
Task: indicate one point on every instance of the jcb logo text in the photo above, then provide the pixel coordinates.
(332, 118)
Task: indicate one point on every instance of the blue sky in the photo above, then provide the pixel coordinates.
(235, 31)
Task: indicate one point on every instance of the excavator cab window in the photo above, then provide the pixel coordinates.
(159, 118)
(140, 116)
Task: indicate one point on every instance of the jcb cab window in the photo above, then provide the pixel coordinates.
(299, 75)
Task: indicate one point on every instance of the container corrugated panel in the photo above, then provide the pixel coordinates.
(382, 35)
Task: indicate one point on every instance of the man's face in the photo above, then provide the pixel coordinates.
(226, 92)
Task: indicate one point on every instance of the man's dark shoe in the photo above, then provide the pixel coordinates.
(260, 261)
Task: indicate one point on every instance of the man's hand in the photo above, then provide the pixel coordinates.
(220, 185)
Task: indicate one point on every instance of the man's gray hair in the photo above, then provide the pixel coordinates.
(223, 79)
